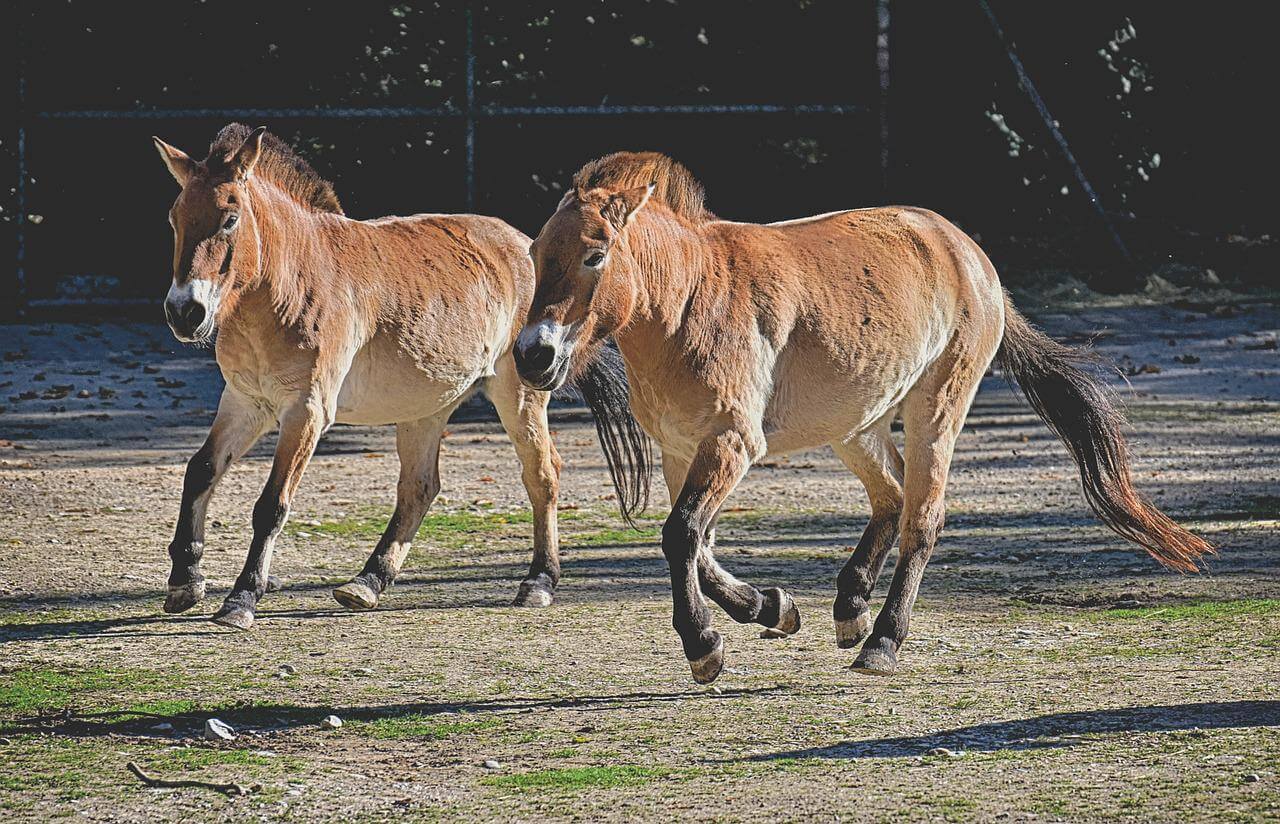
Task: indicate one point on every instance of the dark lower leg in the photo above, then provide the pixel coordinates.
(858, 577)
(690, 616)
(879, 655)
(744, 603)
(186, 584)
(238, 607)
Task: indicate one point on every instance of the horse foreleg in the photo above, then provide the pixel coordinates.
(300, 428)
(418, 445)
(524, 416)
(236, 427)
(717, 466)
(772, 608)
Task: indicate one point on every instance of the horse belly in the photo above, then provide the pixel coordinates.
(817, 402)
(386, 386)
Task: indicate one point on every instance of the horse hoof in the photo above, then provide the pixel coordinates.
(183, 598)
(789, 620)
(875, 662)
(706, 668)
(234, 618)
(853, 631)
(533, 594)
(274, 584)
(355, 595)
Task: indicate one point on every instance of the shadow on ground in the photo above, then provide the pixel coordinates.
(1045, 731)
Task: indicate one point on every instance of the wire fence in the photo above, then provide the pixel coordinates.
(471, 114)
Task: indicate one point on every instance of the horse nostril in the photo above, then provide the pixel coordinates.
(192, 315)
(538, 358)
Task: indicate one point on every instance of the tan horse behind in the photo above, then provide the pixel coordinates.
(742, 340)
(322, 319)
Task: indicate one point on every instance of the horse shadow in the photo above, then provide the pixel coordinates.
(1049, 731)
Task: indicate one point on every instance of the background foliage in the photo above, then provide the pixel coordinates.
(1160, 102)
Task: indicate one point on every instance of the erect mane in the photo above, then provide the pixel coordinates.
(674, 185)
(279, 164)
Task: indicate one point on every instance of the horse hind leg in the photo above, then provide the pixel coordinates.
(933, 413)
(523, 413)
(418, 446)
(872, 456)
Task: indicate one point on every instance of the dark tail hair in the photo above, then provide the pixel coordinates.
(1082, 412)
(628, 452)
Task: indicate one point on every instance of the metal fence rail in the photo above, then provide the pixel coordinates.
(471, 112)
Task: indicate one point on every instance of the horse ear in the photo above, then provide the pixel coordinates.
(241, 163)
(178, 162)
(622, 206)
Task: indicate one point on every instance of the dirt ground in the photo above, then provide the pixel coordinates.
(1052, 672)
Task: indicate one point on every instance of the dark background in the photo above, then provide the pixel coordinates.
(1167, 107)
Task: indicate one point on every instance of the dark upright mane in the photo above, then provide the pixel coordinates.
(674, 185)
(280, 165)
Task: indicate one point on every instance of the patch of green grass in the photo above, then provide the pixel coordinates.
(37, 688)
(47, 765)
(564, 752)
(162, 706)
(419, 726)
(22, 617)
(953, 808)
(580, 778)
(1199, 610)
(608, 537)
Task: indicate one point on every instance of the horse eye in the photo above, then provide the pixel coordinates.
(230, 223)
(594, 260)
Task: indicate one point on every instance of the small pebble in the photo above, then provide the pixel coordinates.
(1252, 778)
(714, 690)
(490, 764)
(163, 726)
(770, 632)
(944, 752)
(330, 722)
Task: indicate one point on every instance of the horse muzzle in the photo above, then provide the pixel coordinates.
(190, 309)
(542, 355)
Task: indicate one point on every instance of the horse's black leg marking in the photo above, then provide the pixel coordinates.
(691, 619)
(186, 584)
(858, 577)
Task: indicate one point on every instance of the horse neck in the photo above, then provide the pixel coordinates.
(668, 260)
(295, 268)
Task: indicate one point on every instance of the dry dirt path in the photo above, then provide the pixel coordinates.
(1052, 673)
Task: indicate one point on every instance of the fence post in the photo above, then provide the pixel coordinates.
(469, 113)
(882, 65)
(20, 191)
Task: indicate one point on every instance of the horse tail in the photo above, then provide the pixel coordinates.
(1082, 412)
(628, 452)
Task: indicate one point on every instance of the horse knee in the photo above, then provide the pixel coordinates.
(268, 515)
(679, 539)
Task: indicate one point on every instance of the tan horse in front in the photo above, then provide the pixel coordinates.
(745, 340)
(322, 319)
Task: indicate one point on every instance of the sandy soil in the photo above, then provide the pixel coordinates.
(1052, 672)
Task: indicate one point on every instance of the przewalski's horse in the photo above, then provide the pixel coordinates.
(322, 319)
(744, 340)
